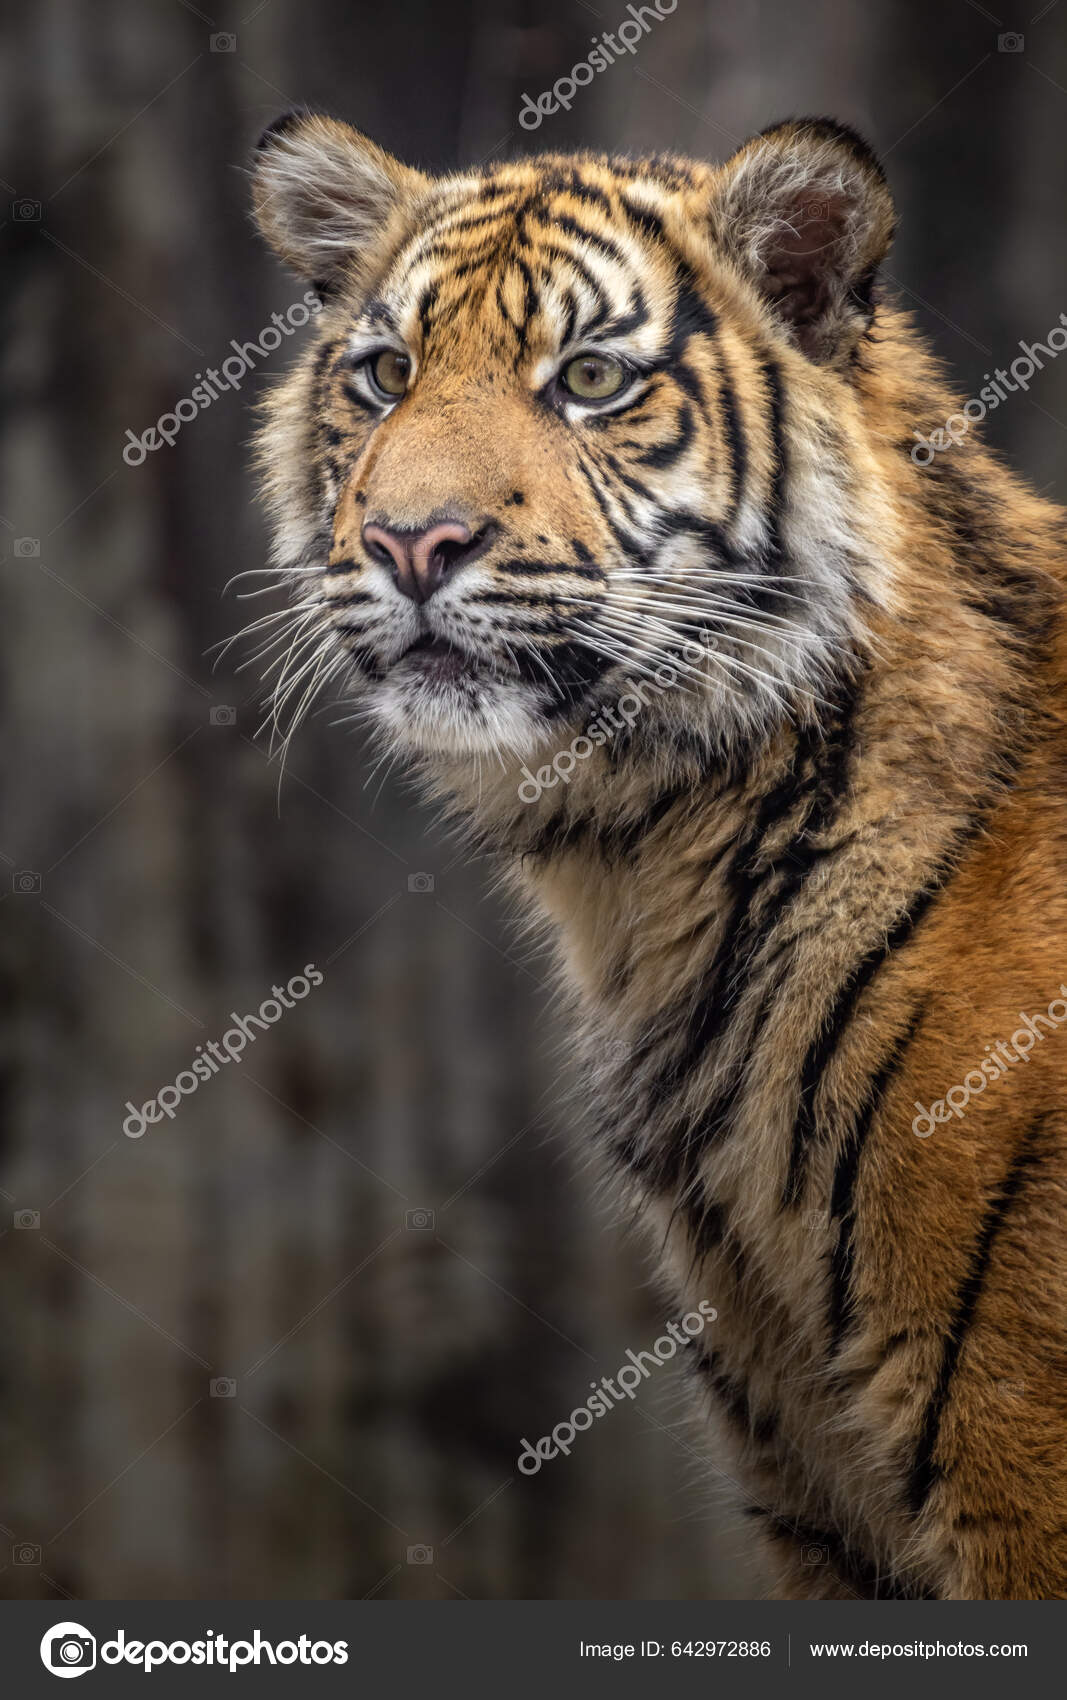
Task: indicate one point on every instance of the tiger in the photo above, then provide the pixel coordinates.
(613, 494)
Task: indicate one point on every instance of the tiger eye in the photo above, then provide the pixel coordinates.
(594, 377)
(391, 372)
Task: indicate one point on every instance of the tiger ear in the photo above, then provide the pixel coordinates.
(324, 196)
(805, 211)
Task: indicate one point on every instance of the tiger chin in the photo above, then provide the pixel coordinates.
(599, 494)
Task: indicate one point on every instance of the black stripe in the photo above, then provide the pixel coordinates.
(379, 312)
(512, 599)
(427, 302)
(692, 316)
(570, 319)
(627, 479)
(664, 455)
(841, 1308)
(924, 1471)
(353, 599)
(490, 202)
(602, 462)
(780, 479)
(553, 181)
(502, 307)
(471, 221)
(636, 315)
(604, 244)
(568, 257)
(588, 194)
(1020, 602)
(458, 259)
(529, 297)
(734, 434)
(823, 1048)
(566, 568)
(323, 356)
(649, 223)
(625, 539)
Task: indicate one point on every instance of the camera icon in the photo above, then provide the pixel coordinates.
(27, 1219)
(1010, 42)
(223, 1387)
(817, 209)
(815, 1555)
(29, 548)
(223, 714)
(26, 883)
(816, 1221)
(224, 43)
(68, 1649)
(421, 882)
(26, 212)
(420, 1555)
(24, 1552)
(420, 1220)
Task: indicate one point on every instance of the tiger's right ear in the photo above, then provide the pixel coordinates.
(325, 197)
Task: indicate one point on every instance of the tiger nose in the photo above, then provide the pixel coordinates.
(421, 561)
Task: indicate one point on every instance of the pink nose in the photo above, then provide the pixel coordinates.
(420, 561)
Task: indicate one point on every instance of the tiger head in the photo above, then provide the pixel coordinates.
(574, 427)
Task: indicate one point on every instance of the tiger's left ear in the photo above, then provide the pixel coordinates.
(805, 211)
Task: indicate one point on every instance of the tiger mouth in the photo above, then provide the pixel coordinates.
(438, 661)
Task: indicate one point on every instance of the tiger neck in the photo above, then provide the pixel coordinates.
(672, 879)
(720, 947)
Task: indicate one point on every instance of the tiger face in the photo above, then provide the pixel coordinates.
(574, 426)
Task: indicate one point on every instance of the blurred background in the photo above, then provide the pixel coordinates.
(287, 1343)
